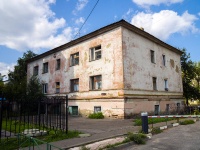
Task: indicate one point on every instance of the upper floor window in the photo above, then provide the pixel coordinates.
(45, 67)
(164, 60)
(95, 82)
(35, 70)
(152, 56)
(166, 84)
(95, 53)
(74, 84)
(58, 64)
(74, 59)
(154, 83)
(44, 88)
(57, 87)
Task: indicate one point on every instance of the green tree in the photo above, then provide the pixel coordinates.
(188, 75)
(197, 74)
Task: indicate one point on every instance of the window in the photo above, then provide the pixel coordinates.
(95, 82)
(154, 83)
(74, 84)
(178, 107)
(58, 64)
(35, 70)
(166, 84)
(73, 110)
(45, 67)
(44, 88)
(152, 56)
(97, 109)
(164, 60)
(74, 59)
(156, 111)
(167, 108)
(57, 87)
(95, 53)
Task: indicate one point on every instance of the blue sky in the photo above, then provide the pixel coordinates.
(40, 25)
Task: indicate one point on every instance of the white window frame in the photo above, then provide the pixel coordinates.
(74, 59)
(95, 85)
(94, 53)
(97, 109)
(74, 87)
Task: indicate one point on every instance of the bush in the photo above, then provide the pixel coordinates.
(98, 115)
(137, 138)
(156, 130)
(185, 122)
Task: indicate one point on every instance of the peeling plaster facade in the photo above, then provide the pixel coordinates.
(125, 67)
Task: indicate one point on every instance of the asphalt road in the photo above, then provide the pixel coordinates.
(177, 138)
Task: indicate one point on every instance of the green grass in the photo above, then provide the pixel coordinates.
(98, 115)
(138, 138)
(138, 122)
(186, 122)
(156, 130)
(15, 126)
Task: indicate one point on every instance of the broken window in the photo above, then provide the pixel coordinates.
(35, 70)
(97, 109)
(154, 83)
(45, 67)
(45, 88)
(74, 84)
(95, 82)
(57, 87)
(164, 60)
(166, 84)
(95, 53)
(58, 64)
(152, 56)
(74, 59)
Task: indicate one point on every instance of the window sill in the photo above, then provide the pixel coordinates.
(94, 60)
(73, 65)
(95, 89)
(74, 91)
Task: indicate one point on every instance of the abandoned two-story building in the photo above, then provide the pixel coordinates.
(118, 69)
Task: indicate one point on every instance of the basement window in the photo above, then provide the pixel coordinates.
(45, 67)
(97, 109)
(95, 53)
(57, 87)
(95, 82)
(74, 84)
(74, 59)
(35, 70)
(58, 64)
(152, 56)
(45, 88)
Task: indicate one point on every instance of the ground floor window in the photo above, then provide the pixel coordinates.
(97, 109)
(156, 110)
(167, 108)
(73, 110)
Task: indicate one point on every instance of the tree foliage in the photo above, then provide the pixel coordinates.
(189, 74)
(17, 87)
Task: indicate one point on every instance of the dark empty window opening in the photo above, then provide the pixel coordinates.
(166, 84)
(95, 82)
(57, 87)
(58, 64)
(156, 111)
(45, 67)
(152, 56)
(44, 88)
(95, 53)
(164, 60)
(154, 83)
(35, 70)
(97, 109)
(74, 84)
(74, 59)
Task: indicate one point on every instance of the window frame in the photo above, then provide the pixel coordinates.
(155, 88)
(35, 73)
(45, 65)
(93, 53)
(44, 88)
(164, 60)
(96, 109)
(57, 87)
(72, 84)
(73, 58)
(92, 82)
(166, 84)
(152, 56)
(58, 64)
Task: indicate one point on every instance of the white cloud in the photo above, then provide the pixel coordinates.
(146, 3)
(31, 25)
(79, 20)
(80, 5)
(165, 23)
(4, 68)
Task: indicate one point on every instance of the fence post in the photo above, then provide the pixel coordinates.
(144, 116)
(66, 112)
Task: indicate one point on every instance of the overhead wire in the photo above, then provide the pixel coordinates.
(86, 19)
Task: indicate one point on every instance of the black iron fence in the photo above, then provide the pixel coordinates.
(48, 113)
